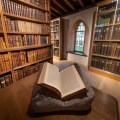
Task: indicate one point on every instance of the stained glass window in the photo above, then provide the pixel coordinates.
(80, 37)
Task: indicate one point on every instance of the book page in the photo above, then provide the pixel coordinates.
(71, 81)
(50, 76)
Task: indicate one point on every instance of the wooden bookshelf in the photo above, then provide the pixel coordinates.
(2, 73)
(17, 46)
(27, 33)
(24, 48)
(106, 40)
(107, 11)
(105, 73)
(105, 45)
(24, 18)
(98, 55)
(57, 37)
(27, 64)
(32, 5)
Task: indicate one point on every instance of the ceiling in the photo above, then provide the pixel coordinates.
(65, 7)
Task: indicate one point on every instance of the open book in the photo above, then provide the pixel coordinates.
(65, 83)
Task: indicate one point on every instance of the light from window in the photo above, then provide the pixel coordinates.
(80, 36)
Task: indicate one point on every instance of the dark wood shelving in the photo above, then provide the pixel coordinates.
(56, 47)
(106, 11)
(57, 37)
(25, 18)
(28, 33)
(105, 73)
(27, 64)
(106, 40)
(54, 39)
(24, 48)
(1, 32)
(111, 57)
(109, 44)
(32, 5)
(54, 31)
(7, 71)
(101, 25)
(13, 55)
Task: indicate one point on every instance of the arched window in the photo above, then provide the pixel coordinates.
(80, 38)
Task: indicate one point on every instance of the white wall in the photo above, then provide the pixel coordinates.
(87, 17)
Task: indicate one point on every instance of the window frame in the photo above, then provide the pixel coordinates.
(75, 37)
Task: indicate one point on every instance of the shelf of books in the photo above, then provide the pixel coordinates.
(24, 38)
(57, 38)
(105, 50)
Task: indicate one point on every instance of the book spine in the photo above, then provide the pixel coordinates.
(23, 72)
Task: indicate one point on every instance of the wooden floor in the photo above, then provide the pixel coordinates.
(15, 99)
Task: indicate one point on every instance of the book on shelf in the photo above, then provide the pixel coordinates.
(40, 3)
(56, 52)
(106, 48)
(26, 40)
(35, 55)
(4, 62)
(5, 81)
(24, 26)
(15, 8)
(23, 72)
(2, 43)
(1, 28)
(18, 58)
(65, 83)
(106, 64)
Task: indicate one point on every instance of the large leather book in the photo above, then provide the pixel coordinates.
(66, 83)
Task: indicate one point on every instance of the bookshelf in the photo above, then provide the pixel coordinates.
(105, 50)
(24, 38)
(57, 38)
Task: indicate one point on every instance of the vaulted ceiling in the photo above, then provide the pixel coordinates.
(64, 7)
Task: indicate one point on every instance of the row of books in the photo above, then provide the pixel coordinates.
(23, 26)
(2, 43)
(54, 35)
(5, 81)
(107, 65)
(1, 25)
(55, 22)
(26, 71)
(4, 62)
(106, 48)
(116, 32)
(14, 8)
(23, 57)
(105, 21)
(56, 52)
(117, 18)
(18, 58)
(55, 43)
(108, 7)
(103, 33)
(55, 28)
(39, 3)
(26, 40)
(39, 54)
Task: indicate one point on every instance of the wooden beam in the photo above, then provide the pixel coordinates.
(69, 4)
(60, 6)
(53, 14)
(93, 1)
(81, 3)
(55, 10)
